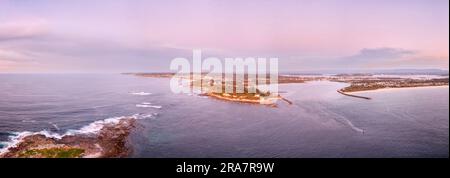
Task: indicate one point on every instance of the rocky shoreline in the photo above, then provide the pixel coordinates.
(109, 141)
(352, 95)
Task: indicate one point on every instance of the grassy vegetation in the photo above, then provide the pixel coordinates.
(245, 94)
(52, 153)
(394, 83)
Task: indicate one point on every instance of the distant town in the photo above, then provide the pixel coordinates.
(357, 82)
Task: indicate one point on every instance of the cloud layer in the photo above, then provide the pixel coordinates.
(123, 36)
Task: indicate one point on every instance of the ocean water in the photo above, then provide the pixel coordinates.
(411, 122)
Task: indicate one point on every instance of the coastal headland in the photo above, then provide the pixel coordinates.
(357, 82)
(109, 141)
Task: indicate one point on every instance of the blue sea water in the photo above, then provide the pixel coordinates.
(411, 122)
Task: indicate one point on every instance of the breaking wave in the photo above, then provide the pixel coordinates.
(143, 105)
(93, 128)
(140, 93)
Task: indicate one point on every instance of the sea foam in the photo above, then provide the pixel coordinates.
(92, 128)
(148, 106)
(140, 93)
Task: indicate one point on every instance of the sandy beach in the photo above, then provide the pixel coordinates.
(397, 89)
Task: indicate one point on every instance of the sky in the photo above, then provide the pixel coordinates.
(89, 36)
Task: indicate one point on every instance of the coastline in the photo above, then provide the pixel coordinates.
(356, 94)
(216, 96)
(357, 85)
(100, 139)
(351, 95)
(387, 89)
(268, 102)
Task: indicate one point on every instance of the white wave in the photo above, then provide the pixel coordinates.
(92, 128)
(54, 125)
(13, 141)
(201, 96)
(353, 126)
(149, 116)
(17, 137)
(96, 126)
(196, 94)
(148, 106)
(140, 93)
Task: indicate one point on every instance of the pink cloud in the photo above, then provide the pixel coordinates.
(23, 28)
